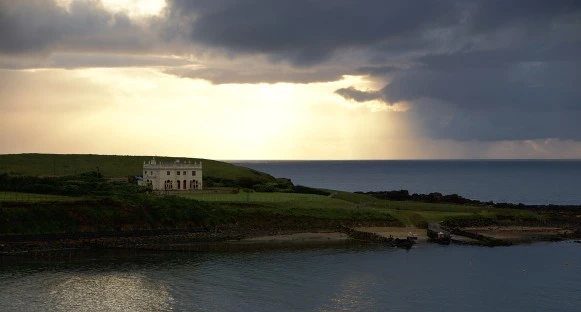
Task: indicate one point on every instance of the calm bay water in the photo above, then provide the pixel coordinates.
(514, 181)
(537, 277)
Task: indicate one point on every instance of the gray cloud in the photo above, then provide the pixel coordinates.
(509, 71)
(506, 100)
(377, 70)
(93, 60)
(351, 93)
(306, 32)
(42, 26)
(538, 86)
(79, 60)
(486, 16)
(28, 26)
(241, 74)
(443, 120)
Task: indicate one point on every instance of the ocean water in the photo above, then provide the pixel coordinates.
(513, 181)
(538, 277)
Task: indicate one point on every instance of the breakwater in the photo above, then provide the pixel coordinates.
(375, 238)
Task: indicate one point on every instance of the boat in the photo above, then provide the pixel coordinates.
(438, 235)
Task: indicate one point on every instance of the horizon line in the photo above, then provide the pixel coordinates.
(319, 159)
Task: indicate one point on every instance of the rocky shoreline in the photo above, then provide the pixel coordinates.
(243, 239)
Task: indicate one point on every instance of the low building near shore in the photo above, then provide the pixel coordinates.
(172, 176)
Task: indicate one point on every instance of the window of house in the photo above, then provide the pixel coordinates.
(178, 173)
(193, 173)
(184, 173)
(168, 173)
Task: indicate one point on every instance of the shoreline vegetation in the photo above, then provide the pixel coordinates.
(84, 205)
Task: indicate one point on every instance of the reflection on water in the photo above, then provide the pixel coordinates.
(352, 294)
(107, 292)
(538, 277)
(85, 281)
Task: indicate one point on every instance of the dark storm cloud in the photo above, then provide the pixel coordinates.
(351, 93)
(306, 32)
(18, 34)
(488, 15)
(377, 71)
(509, 71)
(42, 26)
(489, 99)
(536, 86)
(443, 121)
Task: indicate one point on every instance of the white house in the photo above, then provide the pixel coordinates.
(178, 175)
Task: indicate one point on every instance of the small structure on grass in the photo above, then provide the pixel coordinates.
(180, 176)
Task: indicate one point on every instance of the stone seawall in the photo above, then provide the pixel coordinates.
(375, 238)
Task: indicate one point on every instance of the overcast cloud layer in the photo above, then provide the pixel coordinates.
(486, 70)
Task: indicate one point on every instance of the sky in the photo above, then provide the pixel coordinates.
(292, 79)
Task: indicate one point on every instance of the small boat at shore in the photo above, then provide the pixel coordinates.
(437, 234)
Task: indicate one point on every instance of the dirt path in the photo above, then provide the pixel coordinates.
(519, 233)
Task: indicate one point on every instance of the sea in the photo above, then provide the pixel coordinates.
(534, 277)
(535, 182)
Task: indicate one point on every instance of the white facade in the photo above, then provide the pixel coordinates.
(179, 176)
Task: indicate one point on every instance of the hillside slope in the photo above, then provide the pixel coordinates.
(115, 166)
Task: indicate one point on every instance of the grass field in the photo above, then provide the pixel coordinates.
(158, 211)
(339, 205)
(355, 205)
(255, 197)
(30, 197)
(418, 213)
(292, 205)
(331, 213)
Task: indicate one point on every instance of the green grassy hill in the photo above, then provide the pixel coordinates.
(91, 203)
(115, 166)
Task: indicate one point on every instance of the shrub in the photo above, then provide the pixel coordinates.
(309, 190)
(467, 221)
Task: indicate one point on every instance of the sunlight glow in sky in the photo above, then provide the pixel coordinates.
(143, 111)
(134, 8)
(243, 80)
